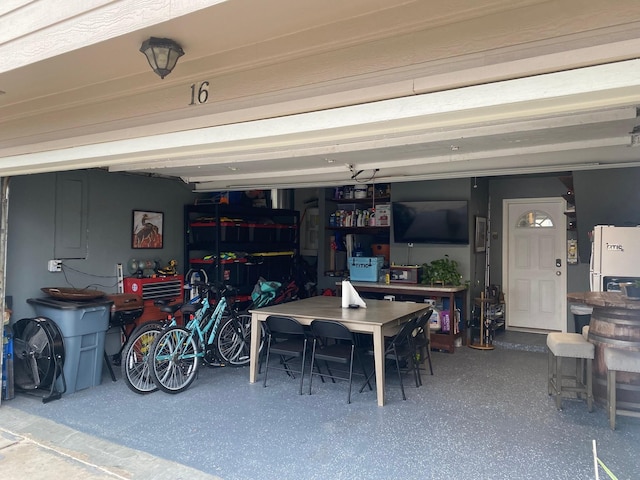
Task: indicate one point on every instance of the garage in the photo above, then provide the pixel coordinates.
(487, 103)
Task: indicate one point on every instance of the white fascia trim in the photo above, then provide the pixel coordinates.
(580, 90)
(545, 95)
(387, 140)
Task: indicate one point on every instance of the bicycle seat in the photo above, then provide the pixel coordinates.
(190, 308)
(172, 309)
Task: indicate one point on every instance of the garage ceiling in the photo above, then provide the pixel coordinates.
(305, 93)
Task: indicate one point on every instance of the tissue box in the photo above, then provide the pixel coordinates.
(365, 269)
(404, 274)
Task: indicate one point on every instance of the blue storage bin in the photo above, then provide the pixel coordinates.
(83, 326)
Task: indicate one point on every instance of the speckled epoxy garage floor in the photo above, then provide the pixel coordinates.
(483, 415)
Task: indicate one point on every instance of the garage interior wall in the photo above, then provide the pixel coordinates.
(111, 200)
(600, 199)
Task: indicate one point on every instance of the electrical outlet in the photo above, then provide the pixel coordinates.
(54, 265)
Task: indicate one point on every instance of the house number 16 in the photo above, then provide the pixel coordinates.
(202, 94)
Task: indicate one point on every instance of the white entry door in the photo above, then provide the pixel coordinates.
(534, 260)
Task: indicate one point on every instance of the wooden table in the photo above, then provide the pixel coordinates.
(380, 318)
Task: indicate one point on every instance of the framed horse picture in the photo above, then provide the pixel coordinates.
(147, 229)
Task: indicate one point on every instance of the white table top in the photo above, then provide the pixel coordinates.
(378, 312)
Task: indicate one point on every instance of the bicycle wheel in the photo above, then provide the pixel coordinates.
(134, 366)
(175, 360)
(233, 341)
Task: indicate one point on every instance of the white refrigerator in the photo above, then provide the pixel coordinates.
(615, 257)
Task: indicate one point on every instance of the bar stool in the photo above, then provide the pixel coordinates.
(570, 345)
(619, 361)
(585, 332)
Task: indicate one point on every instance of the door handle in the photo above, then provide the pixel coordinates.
(558, 262)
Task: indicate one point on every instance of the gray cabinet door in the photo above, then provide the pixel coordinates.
(71, 215)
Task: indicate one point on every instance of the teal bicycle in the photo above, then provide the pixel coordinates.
(135, 353)
(216, 335)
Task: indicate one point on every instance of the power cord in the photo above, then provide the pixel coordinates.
(65, 267)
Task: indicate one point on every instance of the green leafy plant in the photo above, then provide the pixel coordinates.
(443, 271)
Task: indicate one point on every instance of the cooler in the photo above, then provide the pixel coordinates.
(365, 269)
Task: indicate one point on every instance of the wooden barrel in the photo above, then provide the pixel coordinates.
(616, 328)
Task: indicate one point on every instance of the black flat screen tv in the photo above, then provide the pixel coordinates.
(437, 222)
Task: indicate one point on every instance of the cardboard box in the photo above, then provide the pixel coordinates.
(402, 274)
(383, 215)
(381, 249)
(365, 269)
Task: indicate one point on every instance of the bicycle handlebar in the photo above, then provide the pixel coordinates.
(217, 288)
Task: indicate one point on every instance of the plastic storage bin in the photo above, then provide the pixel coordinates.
(285, 233)
(581, 316)
(83, 326)
(234, 272)
(259, 232)
(202, 231)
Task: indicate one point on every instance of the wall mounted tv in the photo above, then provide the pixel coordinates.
(439, 222)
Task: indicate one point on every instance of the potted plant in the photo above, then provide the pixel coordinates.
(443, 271)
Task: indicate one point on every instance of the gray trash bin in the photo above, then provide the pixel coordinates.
(581, 316)
(83, 326)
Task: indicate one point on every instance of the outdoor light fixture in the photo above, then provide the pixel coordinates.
(162, 53)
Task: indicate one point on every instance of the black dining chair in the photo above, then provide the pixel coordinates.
(422, 342)
(334, 343)
(287, 338)
(401, 351)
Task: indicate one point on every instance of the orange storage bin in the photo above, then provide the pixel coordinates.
(381, 249)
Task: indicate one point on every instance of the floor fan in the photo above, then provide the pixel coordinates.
(38, 357)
